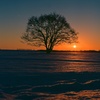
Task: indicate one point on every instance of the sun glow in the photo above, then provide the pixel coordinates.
(74, 46)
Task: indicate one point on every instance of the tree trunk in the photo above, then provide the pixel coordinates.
(48, 50)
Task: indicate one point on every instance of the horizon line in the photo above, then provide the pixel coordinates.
(45, 50)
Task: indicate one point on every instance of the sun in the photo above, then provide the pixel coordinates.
(74, 46)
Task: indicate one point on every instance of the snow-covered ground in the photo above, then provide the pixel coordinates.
(35, 75)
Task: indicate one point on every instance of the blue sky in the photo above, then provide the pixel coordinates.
(83, 15)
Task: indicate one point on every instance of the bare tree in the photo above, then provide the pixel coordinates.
(48, 31)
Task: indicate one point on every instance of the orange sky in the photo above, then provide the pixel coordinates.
(83, 16)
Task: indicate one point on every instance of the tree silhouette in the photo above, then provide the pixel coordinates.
(48, 31)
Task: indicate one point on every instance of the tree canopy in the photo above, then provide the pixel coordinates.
(49, 30)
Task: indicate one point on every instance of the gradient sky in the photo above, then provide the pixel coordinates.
(83, 16)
